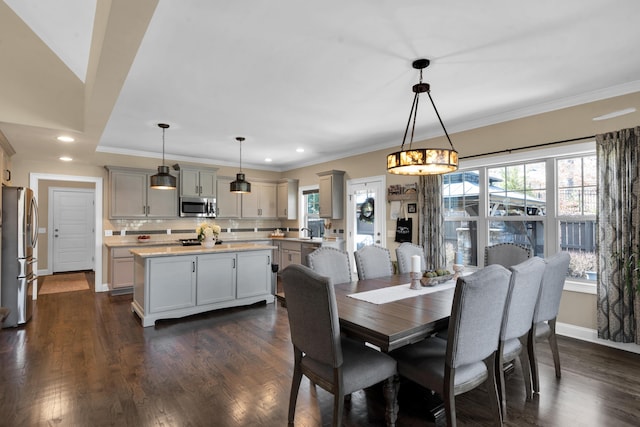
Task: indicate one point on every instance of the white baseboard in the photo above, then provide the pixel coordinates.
(591, 335)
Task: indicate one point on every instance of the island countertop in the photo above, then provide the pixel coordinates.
(161, 251)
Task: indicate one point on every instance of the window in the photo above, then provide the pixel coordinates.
(546, 204)
(577, 204)
(311, 218)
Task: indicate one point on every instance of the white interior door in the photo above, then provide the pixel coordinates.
(366, 227)
(72, 229)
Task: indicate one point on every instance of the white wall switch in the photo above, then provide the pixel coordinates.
(42, 230)
(168, 231)
(123, 232)
(108, 233)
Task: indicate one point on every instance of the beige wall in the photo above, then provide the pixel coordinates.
(568, 123)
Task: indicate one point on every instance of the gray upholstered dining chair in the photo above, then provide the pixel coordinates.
(331, 262)
(467, 358)
(506, 254)
(335, 363)
(404, 252)
(516, 324)
(544, 318)
(373, 261)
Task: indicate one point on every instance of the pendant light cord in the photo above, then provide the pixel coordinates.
(163, 129)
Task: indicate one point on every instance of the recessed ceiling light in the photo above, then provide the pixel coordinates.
(268, 160)
(300, 150)
(615, 114)
(64, 138)
(66, 158)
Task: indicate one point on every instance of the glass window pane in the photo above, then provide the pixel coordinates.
(569, 172)
(590, 173)
(536, 176)
(460, 191)
(526, 233)
(569, 201)
(461, 236)
(578, 238)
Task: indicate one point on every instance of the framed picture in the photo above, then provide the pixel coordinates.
(412, 207)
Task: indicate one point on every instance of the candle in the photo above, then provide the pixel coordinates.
(459, 257)
(415, 264)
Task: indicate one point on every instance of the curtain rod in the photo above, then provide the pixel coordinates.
(528, 147)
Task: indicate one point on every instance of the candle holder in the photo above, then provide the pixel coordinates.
(415, 280)
(458, 268)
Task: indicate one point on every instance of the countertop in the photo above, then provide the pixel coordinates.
(161, 251)
(151, 242)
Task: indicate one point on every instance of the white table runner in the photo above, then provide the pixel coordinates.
(395, 293)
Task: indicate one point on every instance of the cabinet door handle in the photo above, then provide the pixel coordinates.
(268, 260)
(144, 210)
(148, 210)
(200, 189)
(193, 266)
(234, 263)
(196, 190)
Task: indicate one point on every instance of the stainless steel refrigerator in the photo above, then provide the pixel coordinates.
(19, 237)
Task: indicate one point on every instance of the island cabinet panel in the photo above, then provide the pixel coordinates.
(172, 283)
(254, 274)
(216, 278)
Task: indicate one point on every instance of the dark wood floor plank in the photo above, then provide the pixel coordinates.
(85, 360)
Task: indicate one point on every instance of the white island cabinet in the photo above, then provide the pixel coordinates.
(178, 281)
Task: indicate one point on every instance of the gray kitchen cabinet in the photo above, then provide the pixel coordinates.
(167, 285)
(198, 182)
(173, 283)
(290, 253)
(288, 199)
(228, 203)
(253, 274)
(261, 202)
(215, 278)
(331, 194)
(121, 268)
(132, 197)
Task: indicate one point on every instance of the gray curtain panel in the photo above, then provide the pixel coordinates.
(618, 239)
(431, 221)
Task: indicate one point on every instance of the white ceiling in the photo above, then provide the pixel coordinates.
(335, 77)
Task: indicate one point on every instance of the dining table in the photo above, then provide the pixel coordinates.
(391, 325)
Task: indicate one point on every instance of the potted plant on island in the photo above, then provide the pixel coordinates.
(208, 234)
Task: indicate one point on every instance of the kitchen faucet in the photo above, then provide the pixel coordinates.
(309, 230)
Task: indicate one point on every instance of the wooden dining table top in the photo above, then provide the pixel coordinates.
(394, 324)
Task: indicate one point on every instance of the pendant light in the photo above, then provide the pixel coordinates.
(422, 161)
(163, 180)
(240, 185)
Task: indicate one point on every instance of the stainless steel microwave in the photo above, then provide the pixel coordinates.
(198, 207)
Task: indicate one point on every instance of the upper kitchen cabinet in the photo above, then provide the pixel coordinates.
(198, 182)
(261, 202)
(331, 193)
(132, 197)
(228, 203)
(6, 151)
(288, 199)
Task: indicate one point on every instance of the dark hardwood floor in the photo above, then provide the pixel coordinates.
(84, 360)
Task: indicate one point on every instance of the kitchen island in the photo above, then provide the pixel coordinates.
(177, 281)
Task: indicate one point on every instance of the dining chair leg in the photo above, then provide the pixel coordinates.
(492, 389)
(533, 360)
(553, 343)
(524, 364)
(449, 396)
(498, 370)
(338, 408)
(295, 386)
(390, 391)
